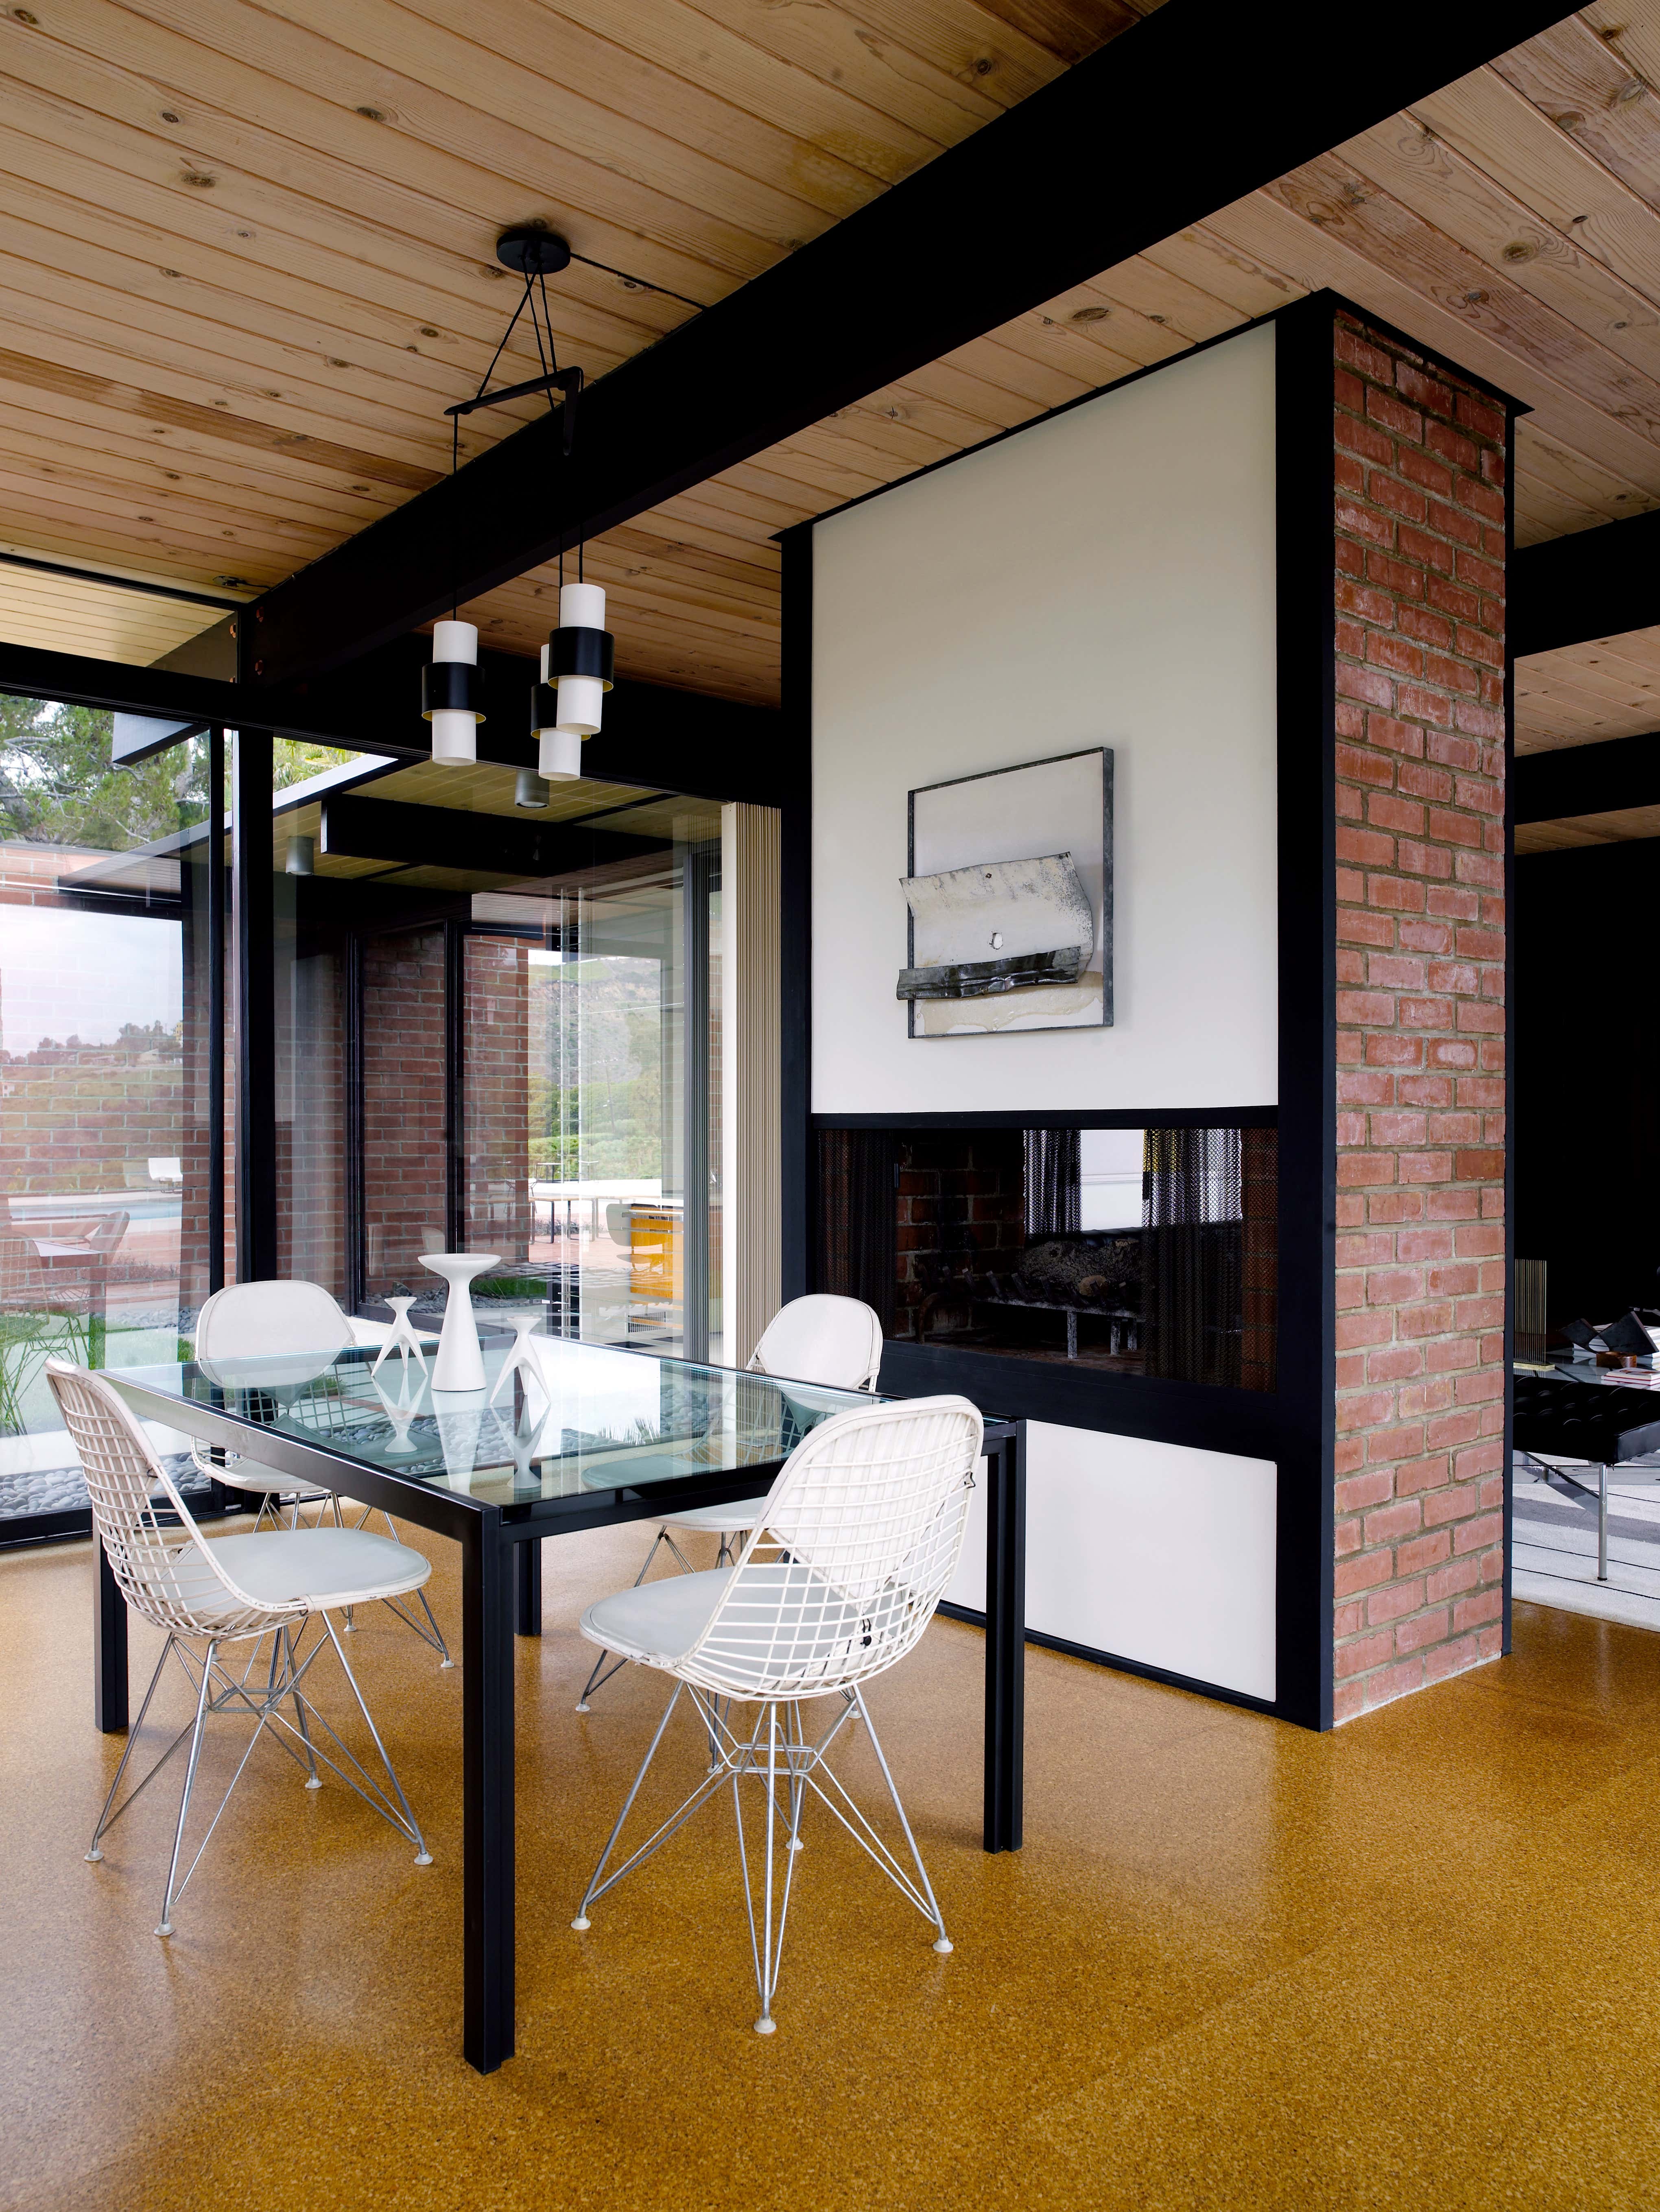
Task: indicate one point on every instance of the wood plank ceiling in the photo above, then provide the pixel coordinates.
(248, 262)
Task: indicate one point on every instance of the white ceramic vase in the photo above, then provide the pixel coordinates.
(521, 1356)
(460, 1364)
(404, 1338)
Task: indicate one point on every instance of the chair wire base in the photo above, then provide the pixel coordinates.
(219, 1689)
(778, 1756)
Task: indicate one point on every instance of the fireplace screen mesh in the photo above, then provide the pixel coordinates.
(1008, 1240)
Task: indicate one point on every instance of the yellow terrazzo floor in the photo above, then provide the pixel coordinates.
(1416, 1963)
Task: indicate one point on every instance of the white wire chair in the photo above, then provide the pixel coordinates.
(236, 1590)
(271, 1319)
(853, 1548)
(833, 1342)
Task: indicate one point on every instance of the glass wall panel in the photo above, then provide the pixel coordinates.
(105, 1143)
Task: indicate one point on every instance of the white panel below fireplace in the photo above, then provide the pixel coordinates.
(1154, 1553)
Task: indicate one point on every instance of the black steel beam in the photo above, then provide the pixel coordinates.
(1601, 779)
(490, 844)
(1594, 583)
(657, 737)
(1159, 128)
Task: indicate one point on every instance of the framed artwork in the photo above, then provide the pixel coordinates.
(1010, 900)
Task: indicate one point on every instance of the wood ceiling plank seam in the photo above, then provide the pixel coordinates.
(1332, 191)
(833, 463)
(983, 408)
(91, 235)
(172, 313)
(1550, 837)
(1240, 280)
(623, 87)
(1141, 289)
(696, 47)
(1568, 71)
(110, 435)
(1262, 221)
(826, 485)
(969, 42)
(421, 62)
(87, 222)
(112, 639)
(63, 365)
(31, 494)
(135, 471)
(1438, 184)
(76, 616)
(1635, 659)
(413, 424)
(730, 504)
(74, 592)
(1544, 459)
(664, 583)
(1606, 676)
(954, 427)
(829, 44)
(1070, 33)
(757, 585)
(1018, 370)
(590, 304)
(1576, 706)
(72, 532)
(891, 433)
(1119, 350)
(1485, 119)
(632, 219)
(757, 557)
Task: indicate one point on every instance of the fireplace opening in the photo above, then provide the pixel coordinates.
(1144, 1252)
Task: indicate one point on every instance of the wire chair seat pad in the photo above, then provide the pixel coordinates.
(787, 1634)
(720, 1520)
(295, 1571)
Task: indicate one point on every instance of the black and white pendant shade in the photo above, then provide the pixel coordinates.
(452, 693)
(576, 674)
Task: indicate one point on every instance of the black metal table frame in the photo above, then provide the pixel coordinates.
(502, 1595)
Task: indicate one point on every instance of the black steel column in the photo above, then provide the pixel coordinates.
(487, 1753)
(357, 1238)
(1005, 1641)
(701, 870)
(109, 1650)
(797, 1160)
(256, 1006)
(215, 989)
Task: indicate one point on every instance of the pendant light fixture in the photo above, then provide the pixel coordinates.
(576, 661)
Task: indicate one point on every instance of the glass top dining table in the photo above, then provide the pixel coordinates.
(594, 1434)
(593, 1418)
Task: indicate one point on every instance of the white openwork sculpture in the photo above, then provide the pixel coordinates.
(404, 1338)
(301, 1324)
(522, 1360)
(238, 1590)
(854, 1545)
(460, 1364)
(835, 1342)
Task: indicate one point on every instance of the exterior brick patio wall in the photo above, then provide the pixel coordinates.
(1421, 551)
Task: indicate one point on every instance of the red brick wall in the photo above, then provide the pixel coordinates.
(404, 1134)
(1420, 1020)
(496, 1107)
(962, 1204)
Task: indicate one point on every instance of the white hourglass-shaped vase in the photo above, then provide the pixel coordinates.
(521, 1357)
(405, 1338)
(460, 1364)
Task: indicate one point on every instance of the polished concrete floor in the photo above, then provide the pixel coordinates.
(1416, 1963)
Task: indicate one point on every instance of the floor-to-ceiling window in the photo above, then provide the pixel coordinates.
(105, 1148)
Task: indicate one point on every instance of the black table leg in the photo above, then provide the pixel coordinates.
(109, 1649)
(1006, 1642)
(487, 1769)
(527, 1583)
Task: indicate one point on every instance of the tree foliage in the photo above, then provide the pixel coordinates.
(59, 787)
